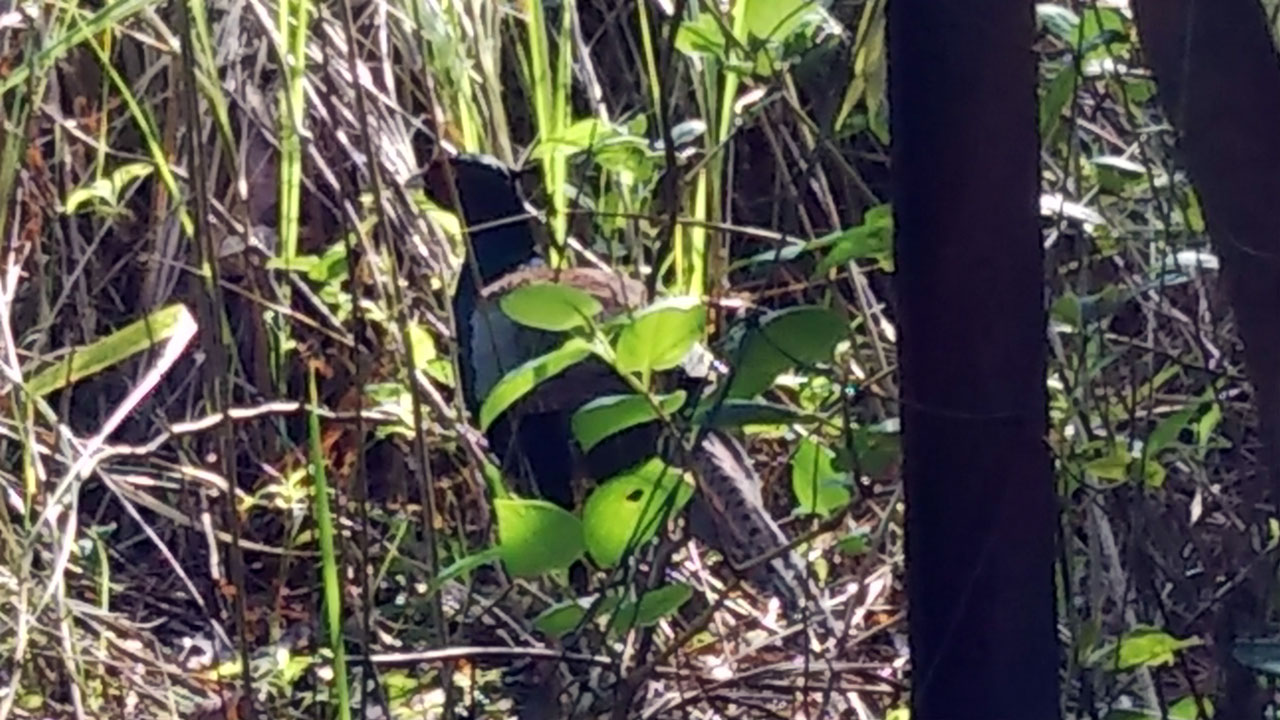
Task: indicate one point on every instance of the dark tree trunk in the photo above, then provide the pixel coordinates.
(1219, 81)
(979, 488)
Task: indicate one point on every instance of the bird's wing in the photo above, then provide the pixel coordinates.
(499, 344)
(615, 291)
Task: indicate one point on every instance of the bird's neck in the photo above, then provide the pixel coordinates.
(492, 255)
(501, 250)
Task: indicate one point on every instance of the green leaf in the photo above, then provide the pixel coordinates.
(107, 190)
(583, 134)
(776, 20)
(873, 239)
(1105, 32)
(629, 509)
(1207, 425)
(855, 543)
(738, 412)
(99, 189)
(652, 607)
(1153, 474)
(1055, 97)
(1112, 466)
(803, 336)
(612, 414)
(819, 487)
(1188, 708)
(1167, 430)
(1067, 310)
(560, 619)
(625, 154)
(565, 617)
(877, 449)
(659, 336)
(536, 537)
(127, 173)
(111, 350)
(1149, 646)
(517, 383)
(550, 306)
(465, 565)
(701, 36)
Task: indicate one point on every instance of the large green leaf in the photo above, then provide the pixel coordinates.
(659, 336)
(628, 509)
(581, 135)
(563, 618)
(536, 537)
(702, 36)
(550, 306)
(1168, 429)
(797, 336)
(819, 487)
(612, 414)
(1054, 96)
(652, 607)
(517, 383)
(776, 20)
(872, 240)
(1149, 646)
(111, 350)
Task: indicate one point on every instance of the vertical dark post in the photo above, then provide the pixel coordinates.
(979, 488)
(1218, 76)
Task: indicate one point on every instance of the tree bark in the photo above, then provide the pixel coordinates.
(979, 486)
(1218, 78)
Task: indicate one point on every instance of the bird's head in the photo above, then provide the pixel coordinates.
(485, 193)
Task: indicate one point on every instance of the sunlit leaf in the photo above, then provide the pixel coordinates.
(1149, 646)
(628, 509)
(659, 336)
(1112, 466)
(800, 336)
(127, 173)
(819, 487)
(550, 306)
(564, 617)
(536, 537)
(873, 239)
(99, 189)
(701, 36)
(605, 416)
(113, 349)
(652, 607)
(578, 136)
(521, 380)
(1167, 430)
(776, 20)
(1054, 98)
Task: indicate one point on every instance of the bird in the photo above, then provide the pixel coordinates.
(533, 439)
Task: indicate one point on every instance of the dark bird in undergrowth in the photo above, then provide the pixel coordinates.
(533, 438)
